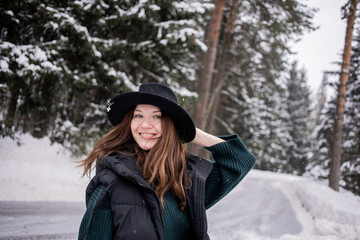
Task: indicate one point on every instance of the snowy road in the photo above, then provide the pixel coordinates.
(265, 209)
(40, 220)
(269, 206)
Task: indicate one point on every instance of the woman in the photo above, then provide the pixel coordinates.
(146, 186)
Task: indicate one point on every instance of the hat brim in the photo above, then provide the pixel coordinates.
(122, 103)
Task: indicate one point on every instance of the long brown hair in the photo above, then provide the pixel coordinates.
(163, 166)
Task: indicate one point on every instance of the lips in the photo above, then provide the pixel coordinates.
(147, 135)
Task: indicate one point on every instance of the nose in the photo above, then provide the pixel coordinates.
(146, 123)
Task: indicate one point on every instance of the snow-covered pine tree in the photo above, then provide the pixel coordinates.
(350, 159)
(319, 163)
(256, 108)
(336, 145)
(320, 99)
(62, 60)
(298, 107)
(321, 130)
(253, 100)
(350, 164)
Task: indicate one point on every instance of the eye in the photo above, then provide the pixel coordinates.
(137, 116)
(157, 116)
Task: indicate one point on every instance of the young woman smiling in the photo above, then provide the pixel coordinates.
(146, 126)
(146, 185)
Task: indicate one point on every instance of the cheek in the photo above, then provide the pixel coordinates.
(133, 126)
(158, 128)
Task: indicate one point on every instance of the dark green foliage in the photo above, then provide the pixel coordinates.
(62, 60)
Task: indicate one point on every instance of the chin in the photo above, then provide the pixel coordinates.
(146, 145)
(146, 148)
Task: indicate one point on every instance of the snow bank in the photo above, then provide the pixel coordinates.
(269, 206)
(38, 171)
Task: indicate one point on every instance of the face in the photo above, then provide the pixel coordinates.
(146, 125)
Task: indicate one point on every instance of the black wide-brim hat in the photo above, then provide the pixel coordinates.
(158, 95)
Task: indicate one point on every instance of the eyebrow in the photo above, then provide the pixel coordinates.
(136, 110)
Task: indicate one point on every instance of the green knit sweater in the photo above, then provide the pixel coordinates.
(232, 162)
(231, 158)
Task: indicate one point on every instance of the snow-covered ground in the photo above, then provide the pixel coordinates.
(38, 171)
(269, 206)
(265, 206)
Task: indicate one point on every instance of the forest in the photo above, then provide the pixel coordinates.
(227, 60)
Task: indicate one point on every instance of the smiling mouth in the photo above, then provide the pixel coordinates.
(147, 135)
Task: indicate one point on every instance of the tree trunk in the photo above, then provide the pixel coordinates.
(221, 74)
(206, 74)
(11, 110)
(334, 176)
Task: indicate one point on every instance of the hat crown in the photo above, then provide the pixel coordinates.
(159, 90)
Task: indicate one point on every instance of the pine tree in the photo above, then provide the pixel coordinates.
(321, 131)
(298, 107)
(221, 74)
(334, 176)
(350, 163)
(319, 163)
(207, 70)
(350, 160)
(321, 96)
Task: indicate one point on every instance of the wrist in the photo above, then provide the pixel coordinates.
(205, 139)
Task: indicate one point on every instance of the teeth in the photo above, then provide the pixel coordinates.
(147, 134)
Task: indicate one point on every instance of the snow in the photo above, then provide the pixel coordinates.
(279, 206)
(9, 12)
(25, 55)
(4, 66)
(38, 171)
(265, 206)
(131, 11)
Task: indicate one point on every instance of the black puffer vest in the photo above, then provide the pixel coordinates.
(135, 206)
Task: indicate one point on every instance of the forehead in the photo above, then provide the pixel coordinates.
(147, 108)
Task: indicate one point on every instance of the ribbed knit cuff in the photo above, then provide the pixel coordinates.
(233, 145)
(231, 141)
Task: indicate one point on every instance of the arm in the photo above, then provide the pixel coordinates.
(205, 139)
(232, 162)
(97, 223)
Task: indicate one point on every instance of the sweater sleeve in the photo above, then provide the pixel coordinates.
(232, 162)
(97, 222)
